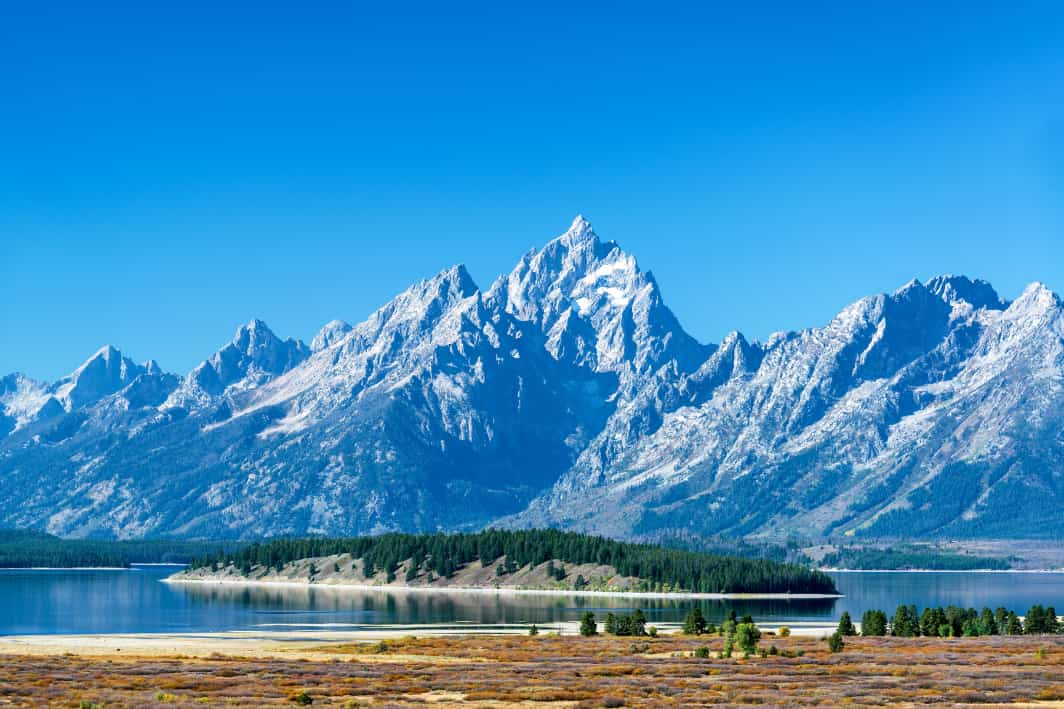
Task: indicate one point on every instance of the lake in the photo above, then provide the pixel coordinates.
(135, 601)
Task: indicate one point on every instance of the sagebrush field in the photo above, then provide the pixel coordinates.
(550, 671)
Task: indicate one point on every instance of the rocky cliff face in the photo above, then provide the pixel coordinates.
(566, 394)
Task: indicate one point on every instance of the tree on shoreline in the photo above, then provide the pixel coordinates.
(846, 627)
(588, 627)
(695, 623)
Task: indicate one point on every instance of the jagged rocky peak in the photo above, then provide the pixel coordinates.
(22, 399)
(254, 355)
(1037, 296)
(416, 310)
(545, 283)
(595, 304)
(329, 335)
(445, 288)
(104, 373)
(255, 344)
(961, 289)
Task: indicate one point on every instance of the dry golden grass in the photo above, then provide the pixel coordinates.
(510, 671)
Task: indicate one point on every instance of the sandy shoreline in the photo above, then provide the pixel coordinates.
(500, 591)
(309, 644)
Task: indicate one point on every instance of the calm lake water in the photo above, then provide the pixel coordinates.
(135, 601)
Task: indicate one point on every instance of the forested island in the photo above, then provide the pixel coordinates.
(544, 559)
(21, 548)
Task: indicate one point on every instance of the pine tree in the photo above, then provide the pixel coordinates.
(846, 625)
(905, 624)
(1034, 621)
(1052, 623)
(1001, 618)
(588, 627)
(987, 624)
(874, 623)
(929, 623)
(639, 623)
(835, 642)
(694, 623)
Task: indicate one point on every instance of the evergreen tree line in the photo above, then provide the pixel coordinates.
(26, 548)
(953, 621)
(443, 554)
(910, 558)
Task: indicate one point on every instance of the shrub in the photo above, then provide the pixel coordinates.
(784, 631)
(652, 631)
(533, 630)
(835, 642)
(773, 650)
(302, 699)
(747, 635)
(702, 652)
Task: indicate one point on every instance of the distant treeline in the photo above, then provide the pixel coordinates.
(909, 558)
(953, 621)
(443, 554)
(25, 548)
(788, 552)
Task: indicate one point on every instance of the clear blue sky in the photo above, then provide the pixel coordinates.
(168, 171)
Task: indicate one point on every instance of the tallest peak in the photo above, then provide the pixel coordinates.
(580, 230)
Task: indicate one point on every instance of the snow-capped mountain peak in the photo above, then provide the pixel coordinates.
(254, 356)
(958, 289)
(595, 304)
(580, 231)
(105, 372)
(331, 333)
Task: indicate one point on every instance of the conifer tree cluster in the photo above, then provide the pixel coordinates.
(443, 554)
(26, 548)
(631, 624)
(953, 621)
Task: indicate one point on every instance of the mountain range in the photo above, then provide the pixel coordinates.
(566, 394)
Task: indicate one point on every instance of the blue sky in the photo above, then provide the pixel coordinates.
(167, 173)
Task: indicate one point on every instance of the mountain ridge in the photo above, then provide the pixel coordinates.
(567, 394)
